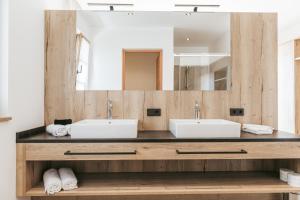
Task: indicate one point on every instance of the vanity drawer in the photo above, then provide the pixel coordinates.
(81, 151)
(163, 151)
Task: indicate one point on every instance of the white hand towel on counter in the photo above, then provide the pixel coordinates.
(68, 178)
(57, 130)
(257, 129)
(52, 182)
(294, 196)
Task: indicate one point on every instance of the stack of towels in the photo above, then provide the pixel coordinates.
(58, 130)
(289, 176)
(56, 180)
(257, 129)
(293, 179)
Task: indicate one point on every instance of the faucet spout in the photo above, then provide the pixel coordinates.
(197, 110)
(109, 109)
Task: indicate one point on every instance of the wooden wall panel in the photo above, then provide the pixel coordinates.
(117, 100)
(269, 60)
(249, 52)
(133, 106)
(92, 109)
(297, 86)
(155, 99)
(215, 105)
(60, 70)
(187, 103)
(254, 67)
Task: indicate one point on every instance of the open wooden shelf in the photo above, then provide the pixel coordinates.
(114, 184)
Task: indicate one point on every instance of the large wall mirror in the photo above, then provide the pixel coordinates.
(153, 51)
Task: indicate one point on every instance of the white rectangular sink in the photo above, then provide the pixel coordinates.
(204, 128)
(102, 128)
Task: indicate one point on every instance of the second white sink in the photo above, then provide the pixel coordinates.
(102, 128)
(204, 128)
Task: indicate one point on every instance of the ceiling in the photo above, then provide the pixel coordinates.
(202, 29)
(288, 10)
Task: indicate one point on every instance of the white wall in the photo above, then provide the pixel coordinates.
(286, 87)
(25, 80)
(107, 51)
(286, 79)
(222, 44)
(3, 57)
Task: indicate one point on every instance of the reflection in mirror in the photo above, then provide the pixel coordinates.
(153, 51)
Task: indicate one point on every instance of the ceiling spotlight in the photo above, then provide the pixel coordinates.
(187, 39)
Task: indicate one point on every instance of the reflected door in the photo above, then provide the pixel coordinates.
(142, 70)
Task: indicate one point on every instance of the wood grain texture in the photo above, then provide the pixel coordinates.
(173, 197)
(254, 66)
(148, 184)
(297, 86)
(101, 166)
(60, 68)
(92, 108)
(155, 99)
(164, 151)
(133, 106)
(21, 170)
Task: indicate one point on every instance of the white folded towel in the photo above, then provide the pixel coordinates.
(257, 129)
(68, 178)
(52, 182)
(57, 130)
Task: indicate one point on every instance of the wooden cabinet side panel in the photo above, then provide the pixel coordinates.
(20, 170)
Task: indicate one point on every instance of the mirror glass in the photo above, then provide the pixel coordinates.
(153, 51)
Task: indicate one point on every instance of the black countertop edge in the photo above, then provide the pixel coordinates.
(32, 136)
(156, 140)
(29, 133)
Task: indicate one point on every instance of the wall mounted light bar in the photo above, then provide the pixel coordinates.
(198, 5)
(111, 6)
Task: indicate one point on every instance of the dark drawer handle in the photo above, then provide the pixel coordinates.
(242, 151)
(69, 153)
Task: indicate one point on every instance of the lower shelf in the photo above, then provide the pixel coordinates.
(114, 184)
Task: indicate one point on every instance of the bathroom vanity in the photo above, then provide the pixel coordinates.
(37, 151)
(154, 164)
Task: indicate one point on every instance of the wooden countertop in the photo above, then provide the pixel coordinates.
(38, 135)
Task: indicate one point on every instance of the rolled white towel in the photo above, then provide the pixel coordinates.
(257, 129)
(57, 130)
(52, 182)
(68, 178)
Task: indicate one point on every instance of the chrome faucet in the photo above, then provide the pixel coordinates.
(197, 110)
(109, 109)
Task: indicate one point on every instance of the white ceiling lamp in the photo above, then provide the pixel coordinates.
(196, 7)
(109, 5)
